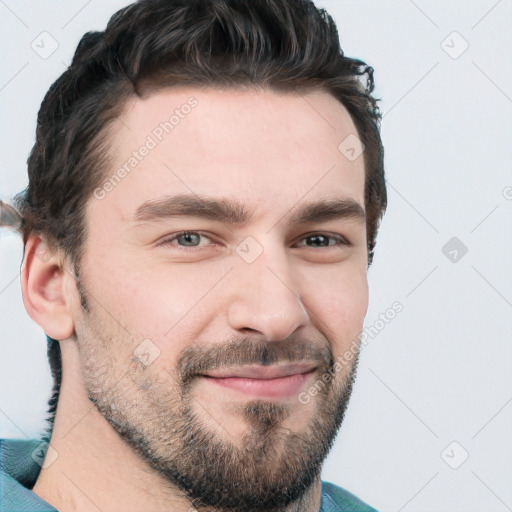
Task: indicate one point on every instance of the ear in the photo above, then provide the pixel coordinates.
(45, 289)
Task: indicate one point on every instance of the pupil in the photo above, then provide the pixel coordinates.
(316, 238)
(187, 236)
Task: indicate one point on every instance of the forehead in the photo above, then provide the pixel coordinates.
(260, 147)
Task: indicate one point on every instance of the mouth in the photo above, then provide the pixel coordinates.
(278, 381)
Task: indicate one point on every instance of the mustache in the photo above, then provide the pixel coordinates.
(246, 351)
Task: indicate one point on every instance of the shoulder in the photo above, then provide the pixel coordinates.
(337, 499)
(18, 472)
(17, 459)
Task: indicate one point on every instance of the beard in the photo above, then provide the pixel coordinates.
(269, 467)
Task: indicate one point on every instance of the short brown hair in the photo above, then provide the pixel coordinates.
(152, 44)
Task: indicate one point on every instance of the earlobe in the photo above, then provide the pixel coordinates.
(45, 290)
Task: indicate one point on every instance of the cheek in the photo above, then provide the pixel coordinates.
(340, 303)
(168, 304)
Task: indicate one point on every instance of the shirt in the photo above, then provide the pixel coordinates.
(19, 469)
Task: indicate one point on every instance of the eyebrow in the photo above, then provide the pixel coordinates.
(233, 212)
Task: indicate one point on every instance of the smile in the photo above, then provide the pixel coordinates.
(270, 382)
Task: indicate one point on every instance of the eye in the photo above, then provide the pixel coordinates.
(324, 240)
(190, 239)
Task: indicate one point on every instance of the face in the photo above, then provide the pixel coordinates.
(218, 296)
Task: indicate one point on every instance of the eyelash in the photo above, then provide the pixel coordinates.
(341, 241)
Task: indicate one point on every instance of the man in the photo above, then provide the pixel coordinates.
(203, 202)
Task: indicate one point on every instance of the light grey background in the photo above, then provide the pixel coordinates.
(440, 371)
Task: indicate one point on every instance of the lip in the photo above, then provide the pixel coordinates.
(261, 372)
(263, 381)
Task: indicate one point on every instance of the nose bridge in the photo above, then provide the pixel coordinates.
(266, 296)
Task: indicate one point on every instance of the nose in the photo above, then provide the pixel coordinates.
(265, 298)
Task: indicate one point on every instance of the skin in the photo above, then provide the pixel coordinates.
(120, 426)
